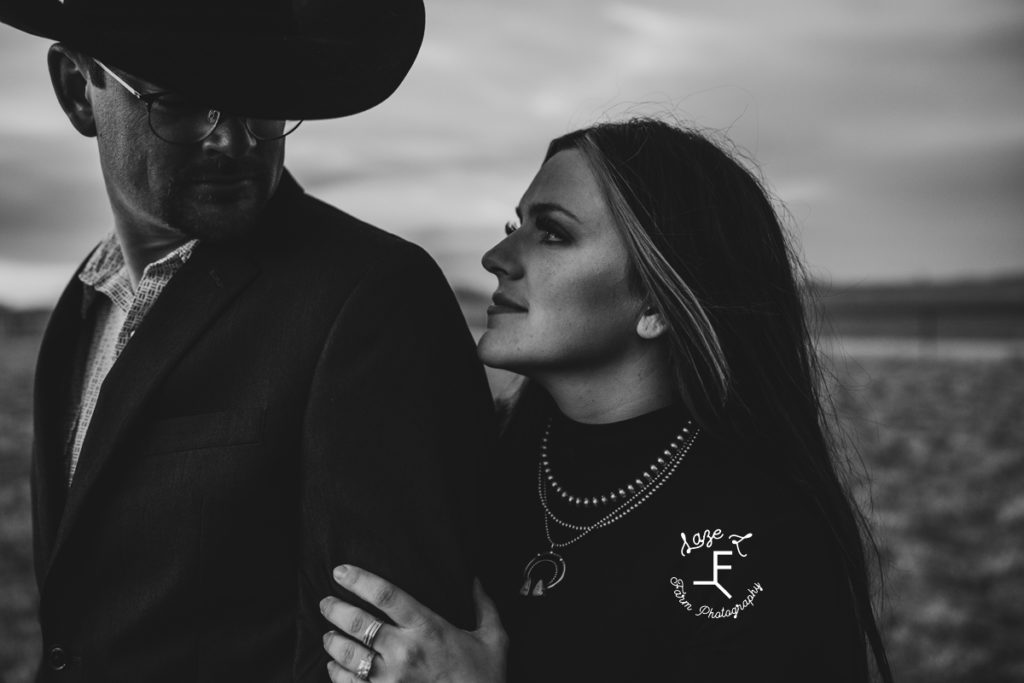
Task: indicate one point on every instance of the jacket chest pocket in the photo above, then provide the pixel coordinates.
(200, 432)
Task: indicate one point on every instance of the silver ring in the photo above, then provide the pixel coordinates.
(365, 664)
(370, 633)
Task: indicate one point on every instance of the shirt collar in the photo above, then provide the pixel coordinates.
(105, 262)
(105, 270)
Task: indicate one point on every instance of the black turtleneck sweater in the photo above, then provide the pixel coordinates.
(630, 606)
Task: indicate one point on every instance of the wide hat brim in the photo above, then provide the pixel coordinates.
(317, 60)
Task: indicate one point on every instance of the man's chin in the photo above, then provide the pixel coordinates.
(222, 206)
(216, 222)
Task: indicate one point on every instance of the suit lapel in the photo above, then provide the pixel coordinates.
(58, 365)
(191, 302)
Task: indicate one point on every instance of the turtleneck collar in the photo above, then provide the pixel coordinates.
(589, 459)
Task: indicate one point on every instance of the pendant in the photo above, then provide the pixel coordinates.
(545, 571)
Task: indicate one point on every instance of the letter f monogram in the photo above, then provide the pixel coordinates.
(714, 573)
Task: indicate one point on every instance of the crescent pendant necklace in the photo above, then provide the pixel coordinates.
(546, 569)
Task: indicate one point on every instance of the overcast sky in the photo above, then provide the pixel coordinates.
(893, 131)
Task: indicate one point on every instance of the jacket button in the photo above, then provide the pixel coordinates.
(57, 658)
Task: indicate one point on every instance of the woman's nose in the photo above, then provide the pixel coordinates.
(503, 259)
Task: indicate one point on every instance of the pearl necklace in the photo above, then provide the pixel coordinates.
(615, 496)
(537, 587)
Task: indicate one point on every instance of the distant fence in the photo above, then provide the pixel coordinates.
(984, 310)
(926, 322)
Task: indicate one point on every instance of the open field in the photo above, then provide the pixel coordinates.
(942, 439)
(19, 634)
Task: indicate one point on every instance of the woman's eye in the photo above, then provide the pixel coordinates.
(511, 227)
(550, 232)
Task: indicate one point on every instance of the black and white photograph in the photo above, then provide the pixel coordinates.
(439, 341)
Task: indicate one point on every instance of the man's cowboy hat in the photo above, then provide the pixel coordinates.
(284, 59)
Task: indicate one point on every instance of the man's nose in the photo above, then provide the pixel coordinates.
(230, 137)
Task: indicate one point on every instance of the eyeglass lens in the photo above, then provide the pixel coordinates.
(181, 121)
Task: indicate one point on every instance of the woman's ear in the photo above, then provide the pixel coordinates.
(651, 325)
(70, 78)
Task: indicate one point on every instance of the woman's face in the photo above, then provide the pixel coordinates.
(563, 302)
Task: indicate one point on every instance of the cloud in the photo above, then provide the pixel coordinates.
(892, 130)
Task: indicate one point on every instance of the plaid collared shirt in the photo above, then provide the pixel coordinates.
(117, 314)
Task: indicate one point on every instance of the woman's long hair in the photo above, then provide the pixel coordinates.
(709, 253)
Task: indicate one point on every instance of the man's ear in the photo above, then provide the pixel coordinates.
(651, 325)
(70, 78)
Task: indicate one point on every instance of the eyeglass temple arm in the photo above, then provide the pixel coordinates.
(120, 80)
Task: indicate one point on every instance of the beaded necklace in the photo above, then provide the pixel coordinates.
(629, 498)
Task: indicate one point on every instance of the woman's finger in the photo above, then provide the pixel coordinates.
(339, 675)
(347, 653)
(489, 627)
(486, 612)
(356, 623)
(400, 607)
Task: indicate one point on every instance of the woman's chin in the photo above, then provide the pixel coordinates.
(493, 353)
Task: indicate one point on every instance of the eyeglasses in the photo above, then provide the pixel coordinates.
(179, 121)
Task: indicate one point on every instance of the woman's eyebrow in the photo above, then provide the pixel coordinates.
(547, 207)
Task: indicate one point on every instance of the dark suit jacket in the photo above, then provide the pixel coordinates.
(307, 397)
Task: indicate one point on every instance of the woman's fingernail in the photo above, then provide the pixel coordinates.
(327, 637)
(340, 572)
(323, 605)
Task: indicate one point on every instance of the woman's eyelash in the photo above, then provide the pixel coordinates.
(550, 229)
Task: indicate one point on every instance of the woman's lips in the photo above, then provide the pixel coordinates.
(496, 310)
(504, 304)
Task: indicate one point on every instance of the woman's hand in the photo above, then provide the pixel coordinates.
(421, 646)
